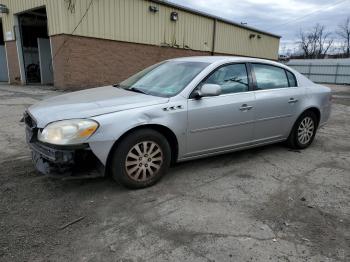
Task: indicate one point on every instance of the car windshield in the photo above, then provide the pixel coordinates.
(164, 79)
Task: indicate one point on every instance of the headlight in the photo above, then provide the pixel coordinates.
(68, 132)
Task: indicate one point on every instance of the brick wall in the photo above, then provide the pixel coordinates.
(81, 62)
(13, 63)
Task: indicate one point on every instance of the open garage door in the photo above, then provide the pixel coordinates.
(3, 61)
(36, 47)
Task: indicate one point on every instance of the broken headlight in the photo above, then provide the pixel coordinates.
(68, 132)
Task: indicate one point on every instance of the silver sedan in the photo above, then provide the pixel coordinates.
(176, 110)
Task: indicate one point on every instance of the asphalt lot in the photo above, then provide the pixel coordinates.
(265, 204)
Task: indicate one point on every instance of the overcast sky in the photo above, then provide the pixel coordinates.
(281, 17)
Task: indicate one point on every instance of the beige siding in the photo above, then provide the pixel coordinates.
(53, 9)
(232, 39)
(131, 21)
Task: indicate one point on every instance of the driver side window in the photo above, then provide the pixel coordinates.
(231, 78)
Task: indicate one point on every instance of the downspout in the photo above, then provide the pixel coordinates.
(214, 38)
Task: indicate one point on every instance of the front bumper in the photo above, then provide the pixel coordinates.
(68, 161)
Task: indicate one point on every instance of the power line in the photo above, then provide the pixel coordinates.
(308, 14)
(75, 28)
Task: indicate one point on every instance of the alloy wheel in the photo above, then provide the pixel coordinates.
(143, 161)
(306, 130)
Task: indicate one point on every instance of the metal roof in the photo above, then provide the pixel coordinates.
(194, 11)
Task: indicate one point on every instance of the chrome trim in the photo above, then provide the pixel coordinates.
(222, 126)
(272, 118)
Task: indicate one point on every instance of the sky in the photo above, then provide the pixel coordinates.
(282, 17)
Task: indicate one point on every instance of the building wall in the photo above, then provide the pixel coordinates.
(53, 9)
(235, 40)
(141, 38)
(131, 21)
(13, 62)
(89, 62)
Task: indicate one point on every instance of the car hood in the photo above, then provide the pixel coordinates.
(89, 103)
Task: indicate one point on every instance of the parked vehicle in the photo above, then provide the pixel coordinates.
(176, 110)
(283, 58)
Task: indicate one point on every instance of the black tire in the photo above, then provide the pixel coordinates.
(121, 169)
(294, 141)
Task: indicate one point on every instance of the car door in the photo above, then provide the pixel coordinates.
(225, 121)
(277, 97)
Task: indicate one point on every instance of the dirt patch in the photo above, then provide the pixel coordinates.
(292, 217)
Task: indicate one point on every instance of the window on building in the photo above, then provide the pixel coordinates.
(270, 77)
(231, 78)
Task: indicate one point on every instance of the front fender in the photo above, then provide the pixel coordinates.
(115, 125)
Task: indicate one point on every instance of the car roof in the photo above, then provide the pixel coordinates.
(218, 59)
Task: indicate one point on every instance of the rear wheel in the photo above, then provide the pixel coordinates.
(304, 131)
(141, 159)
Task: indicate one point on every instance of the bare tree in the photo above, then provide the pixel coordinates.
(344, 34)
(315, 43)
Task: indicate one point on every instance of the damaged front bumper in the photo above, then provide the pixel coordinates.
(62, 161)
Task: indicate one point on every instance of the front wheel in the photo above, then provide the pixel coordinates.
(141, 159)
(304, 131)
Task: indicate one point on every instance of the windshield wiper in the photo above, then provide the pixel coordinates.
(135, 89)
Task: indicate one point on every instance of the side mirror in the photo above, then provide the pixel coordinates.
(208, 90)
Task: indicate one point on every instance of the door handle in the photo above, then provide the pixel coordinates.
(293, 100)
(245, 107)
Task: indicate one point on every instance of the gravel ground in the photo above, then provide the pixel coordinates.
(264, 204)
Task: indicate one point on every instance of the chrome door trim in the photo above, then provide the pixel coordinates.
(221, 126)
(273, 117)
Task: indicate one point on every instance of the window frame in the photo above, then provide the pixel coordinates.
(249, 77)
(266, 64)
(295, 79)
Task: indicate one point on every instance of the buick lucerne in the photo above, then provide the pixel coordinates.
(176, 110)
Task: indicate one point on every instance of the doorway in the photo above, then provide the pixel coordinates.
(3, 59)
(36, 47)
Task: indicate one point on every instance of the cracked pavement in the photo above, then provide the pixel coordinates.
(265, 204)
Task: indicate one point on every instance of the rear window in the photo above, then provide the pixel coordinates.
(270, 77)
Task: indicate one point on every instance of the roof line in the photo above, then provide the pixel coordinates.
(197, 12)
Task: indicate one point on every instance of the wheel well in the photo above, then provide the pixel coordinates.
(166, 132)
(316, 111)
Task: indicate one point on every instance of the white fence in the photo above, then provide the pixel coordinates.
(331, 71)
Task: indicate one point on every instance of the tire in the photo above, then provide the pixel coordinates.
(133, 166)
(304, 131)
